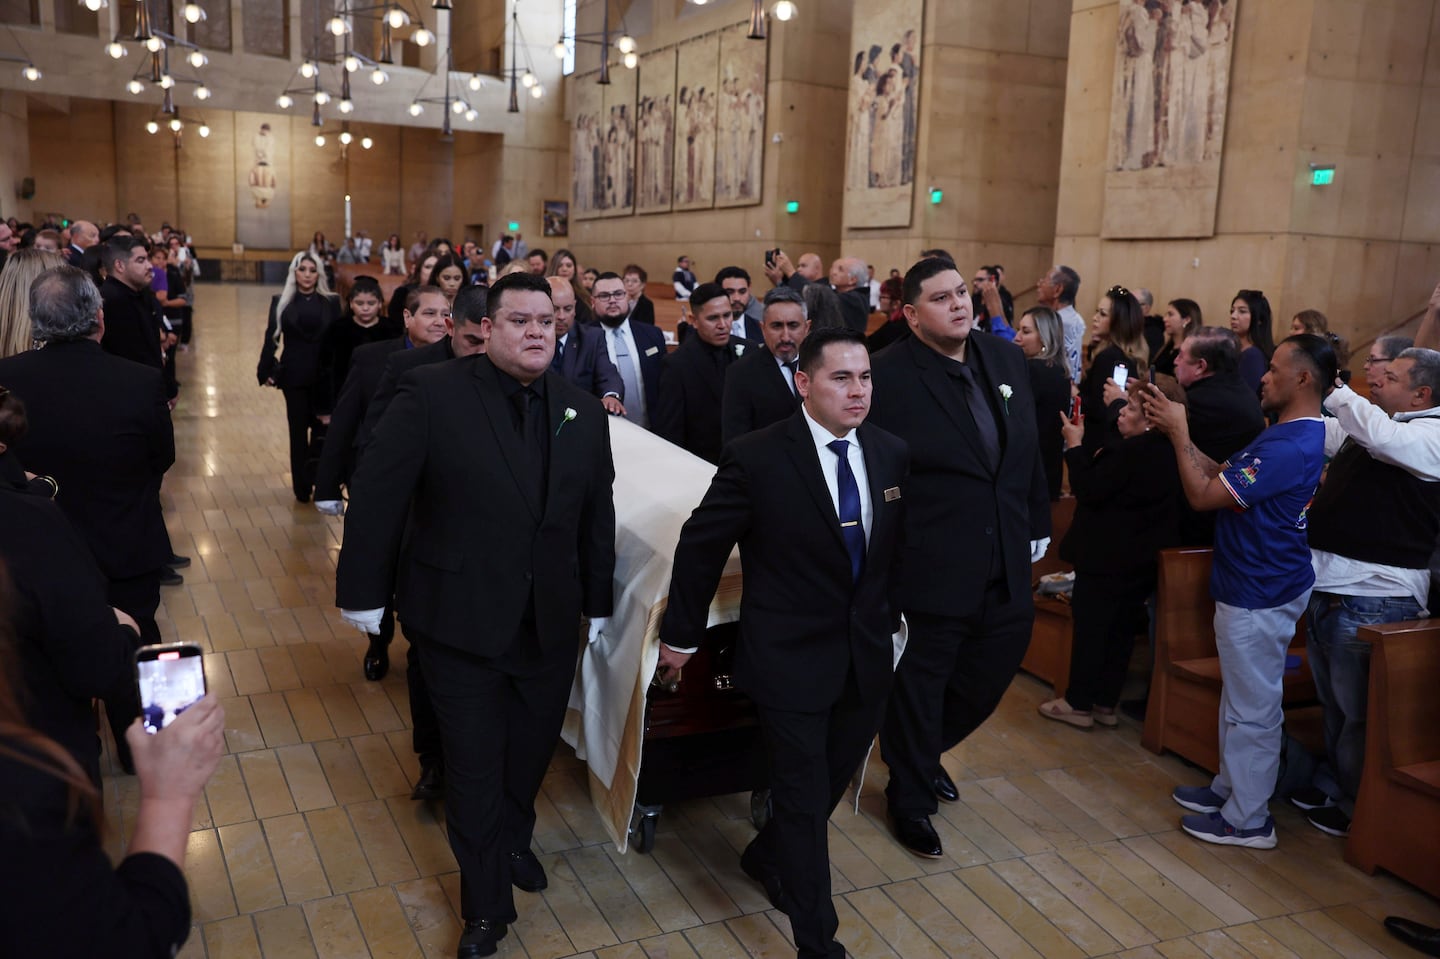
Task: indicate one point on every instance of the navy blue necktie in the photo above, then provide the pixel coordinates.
(557, 362)
(851, 529)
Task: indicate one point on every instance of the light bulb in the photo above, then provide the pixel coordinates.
(307, 70)
(527, 79)
(379, 77)
(347, 106)
(476, 81)
(457, 107)
(319, 139)
(345, 137)
(625, 44)
(197, 59)
(366, 142)
(204, 130)
(632, 60)
(116, 49)
(177, 125)
(284, 101)
(352, 63)
(193, 13)
(416, 109)
(154, 44)
(152, 128)
(338, 26)
(784, 10)
(559, 49)
(422, 37)
(167, 82)
(135, 87)
(94, 5)
(321, 97)
(537, 91)
(397, 18)
(202, 92)
(471, 115)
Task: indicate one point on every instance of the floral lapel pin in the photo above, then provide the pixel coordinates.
(739, 349)
(569, 415)
(1005, 393)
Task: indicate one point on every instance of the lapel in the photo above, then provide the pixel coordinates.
(775, 378)
(880, 516)
(497, 415)
(807, 463)
(947, 394)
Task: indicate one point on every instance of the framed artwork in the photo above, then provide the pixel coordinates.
(881, 144)
(655, 132)
(587, 162)
(555, 218)
(740, 119)
(617, 145)
(697, 71)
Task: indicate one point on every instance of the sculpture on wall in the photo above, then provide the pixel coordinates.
(882, 141)
(262, 175)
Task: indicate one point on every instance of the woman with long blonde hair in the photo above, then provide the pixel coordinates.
(19, 272)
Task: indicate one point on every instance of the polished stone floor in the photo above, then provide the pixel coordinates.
(1064, 844)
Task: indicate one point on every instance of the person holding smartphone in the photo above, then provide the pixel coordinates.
(1118, 351)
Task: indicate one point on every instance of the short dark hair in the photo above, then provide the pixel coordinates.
(936, 253)
(119, 247)
(732, 273)
(786, 294)
(633, 268)
(1069, 284)
(412, 298)
(540, 253)
(812, 348)
(1217, 346)
(517, 282)
(470, 304)
(922, 271)
(612, 275)
(1316, 353)
(365, 284)
(706, 292)
(682, 256)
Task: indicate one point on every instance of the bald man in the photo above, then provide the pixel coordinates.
(809, 269)
(580, 354)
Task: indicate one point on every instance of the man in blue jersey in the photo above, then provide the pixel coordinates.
(1261, 580)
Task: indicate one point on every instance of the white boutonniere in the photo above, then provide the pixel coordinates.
(569, 415)
(739, 349)
(1005, 393)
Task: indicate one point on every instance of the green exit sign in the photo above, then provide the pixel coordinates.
(1322, 175)
(792, 207)
(514, 225)
(936, 195)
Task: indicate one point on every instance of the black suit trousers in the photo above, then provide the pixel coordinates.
(499, 719)
(953, 674)
(811, 758)
(306, 438)
(140, 597)
(1106, 612)
(424, 728)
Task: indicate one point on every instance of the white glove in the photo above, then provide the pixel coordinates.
(1038, 548)
(597, 627)
(330, 507)
(365, 620)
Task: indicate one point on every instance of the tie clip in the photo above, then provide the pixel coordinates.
(853, 522)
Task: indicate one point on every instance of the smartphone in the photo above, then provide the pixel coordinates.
(770, 256)
(1075, 409)
(1121, 374)
(171, 678)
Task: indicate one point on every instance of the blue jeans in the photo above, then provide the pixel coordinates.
(1252, 645)
(1341, 665)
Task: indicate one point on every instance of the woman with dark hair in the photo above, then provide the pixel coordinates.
(1250, 319)
(300, 317)
(822, 306)
(1318, 324)
(1040, 334)
(1117, 332)
(450, 275)
(422, 274)
(1182, 317)
(361, 323)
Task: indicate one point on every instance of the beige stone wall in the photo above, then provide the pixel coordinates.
(1350, 83)
(14, 155)
(72, 151)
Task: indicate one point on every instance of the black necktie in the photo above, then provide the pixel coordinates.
(558, 360)
(980, 412)
(525, 426)
(792, 366)
(852, 531)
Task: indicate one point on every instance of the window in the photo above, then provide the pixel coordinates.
(567, 65)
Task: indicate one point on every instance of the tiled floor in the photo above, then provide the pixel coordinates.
(1064, 843)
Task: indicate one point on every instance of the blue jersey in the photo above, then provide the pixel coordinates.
(1262, 558)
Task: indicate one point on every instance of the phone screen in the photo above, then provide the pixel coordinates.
(1121, 375)
(172, 679)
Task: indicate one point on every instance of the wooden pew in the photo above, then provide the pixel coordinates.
(1048, 656)
(1183, 714)
(345, 274)
(1397, 814)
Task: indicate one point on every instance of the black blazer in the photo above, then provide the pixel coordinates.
(1051, 387)
(132, 323)
(1099, 419)
(397, 364)
(585, 362)
(804, 621)
(101, 427)
(476, 543)
(1127, 506)
(337, 457)
(299, 365)
(692, 388)
(855, 308)
(957, 508)
(753, 332)
(644, 311)
(756, 395)
(650, 341)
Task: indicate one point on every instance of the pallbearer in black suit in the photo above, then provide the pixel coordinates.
(978, 516)
(580, 354)
(815, 504)
(760, 388)
(496, 475)
(693, 382)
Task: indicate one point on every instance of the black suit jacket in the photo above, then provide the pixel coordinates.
(692, 388)
(477, 545)
(644, 311)
(299, 365)
(804, 621)
(101, 427)
(1051, 387)
(756, 395)
(337, 458)
(585, 362)
(1127, 506)
(397, 364)
(958, 509)
(650, 342)
(132, 324)
(855, 308)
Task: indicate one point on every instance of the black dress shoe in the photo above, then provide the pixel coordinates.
(377, 660)
(944, 787)
(430, 787)
(1426, 939)
(917, 835)
(168, 577)
(526, 873)
(480, 938)
(770, 880)
(176, 561)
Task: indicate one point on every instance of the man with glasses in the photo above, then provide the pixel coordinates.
(580, 354)
(636, 349)
(1382, 352)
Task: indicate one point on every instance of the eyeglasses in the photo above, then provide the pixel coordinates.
(616, 295)
(1372, 360)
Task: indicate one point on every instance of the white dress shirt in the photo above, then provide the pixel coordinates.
(638, 408)
(829, 466)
